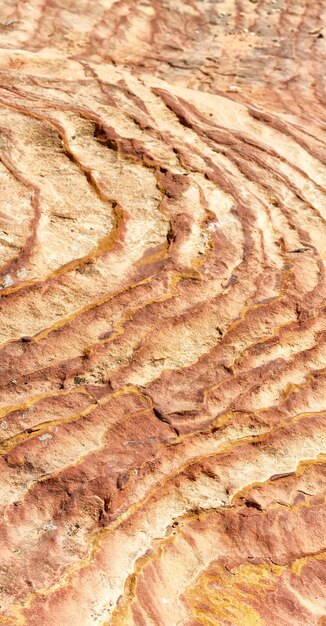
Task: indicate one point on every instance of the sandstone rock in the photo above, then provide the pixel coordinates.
(162, 313)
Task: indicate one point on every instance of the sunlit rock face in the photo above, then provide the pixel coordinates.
(162, 313)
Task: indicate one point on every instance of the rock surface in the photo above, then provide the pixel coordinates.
(162, 313)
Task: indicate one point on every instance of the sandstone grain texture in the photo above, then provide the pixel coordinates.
(162, 313)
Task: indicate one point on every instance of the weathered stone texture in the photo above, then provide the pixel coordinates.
(162, 313)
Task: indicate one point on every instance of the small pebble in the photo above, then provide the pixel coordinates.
(7, 281)
(45, 436)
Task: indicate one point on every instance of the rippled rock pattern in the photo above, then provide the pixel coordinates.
(162, 313)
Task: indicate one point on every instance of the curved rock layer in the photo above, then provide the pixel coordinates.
(162, 313)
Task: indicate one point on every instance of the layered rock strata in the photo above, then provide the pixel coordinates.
(162, 313)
